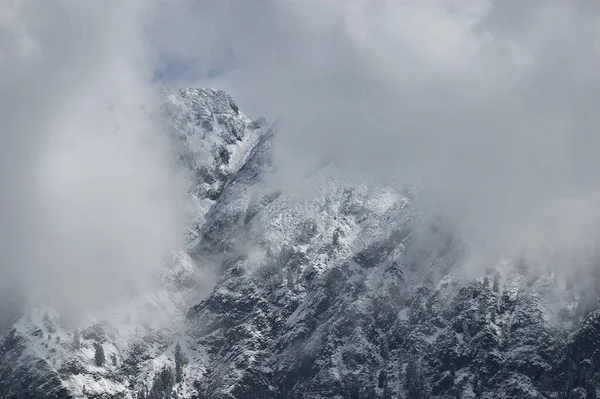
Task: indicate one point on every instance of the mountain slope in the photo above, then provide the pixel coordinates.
(343, 290)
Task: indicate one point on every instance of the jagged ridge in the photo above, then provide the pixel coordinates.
(347, 292)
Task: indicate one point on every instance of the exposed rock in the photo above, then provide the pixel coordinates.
(348, 292)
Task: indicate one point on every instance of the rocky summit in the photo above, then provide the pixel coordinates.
(345, 289)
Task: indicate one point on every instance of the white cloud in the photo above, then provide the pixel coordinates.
(91, 198)
(491, 103)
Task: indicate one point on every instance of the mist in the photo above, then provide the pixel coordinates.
(487, 104)
(92, 202)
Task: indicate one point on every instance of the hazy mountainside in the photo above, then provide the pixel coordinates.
(344, 290)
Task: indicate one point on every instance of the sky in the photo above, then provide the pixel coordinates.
(490, 104)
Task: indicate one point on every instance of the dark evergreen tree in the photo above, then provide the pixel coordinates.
(465, 330)
(458, 390)
(234, 107)
(590, 392)
(383, 384)
(496, 283)
(384, 350)
(354, 391)
(113, 358)
(179, 363)
(387, 392)
(415, 380)
(569, 381)
(590, 388)
(162, 384)
(409, 371)
(99, 357)
(382, 379)
(477, 386)
(336, 238)
(369, 392)
(76, 340)
(48, 323)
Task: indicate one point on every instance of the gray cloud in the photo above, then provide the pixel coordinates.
(490, 104)
(90, 199)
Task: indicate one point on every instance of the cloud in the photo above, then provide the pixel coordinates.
(91, 199)
(489, 103)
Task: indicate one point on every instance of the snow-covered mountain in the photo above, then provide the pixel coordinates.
(343, 291)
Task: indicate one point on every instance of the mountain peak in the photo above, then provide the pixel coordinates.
(348, 292)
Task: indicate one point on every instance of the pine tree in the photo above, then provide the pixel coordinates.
(415, 380)
(179, 363)
(48, 323)
(384, 350)
(99, 357)
(113, 358)
(354, 391)
(162, 384)
(458, 390)
(369, 392)
(590, 388)
(382, 379)
(465, 331)
(477, 386)
(410, 368)
(336, 238)
(496, 283)
(76, 340)
(590, 392)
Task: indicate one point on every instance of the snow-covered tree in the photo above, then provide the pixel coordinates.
(99, 357)
(179, 363)
(76, 340)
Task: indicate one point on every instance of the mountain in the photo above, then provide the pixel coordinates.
(340, 290)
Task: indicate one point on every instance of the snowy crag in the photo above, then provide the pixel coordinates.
(347, 291)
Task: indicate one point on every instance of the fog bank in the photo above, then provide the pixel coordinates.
(92, 201)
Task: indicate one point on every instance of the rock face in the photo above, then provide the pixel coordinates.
(345, 291)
